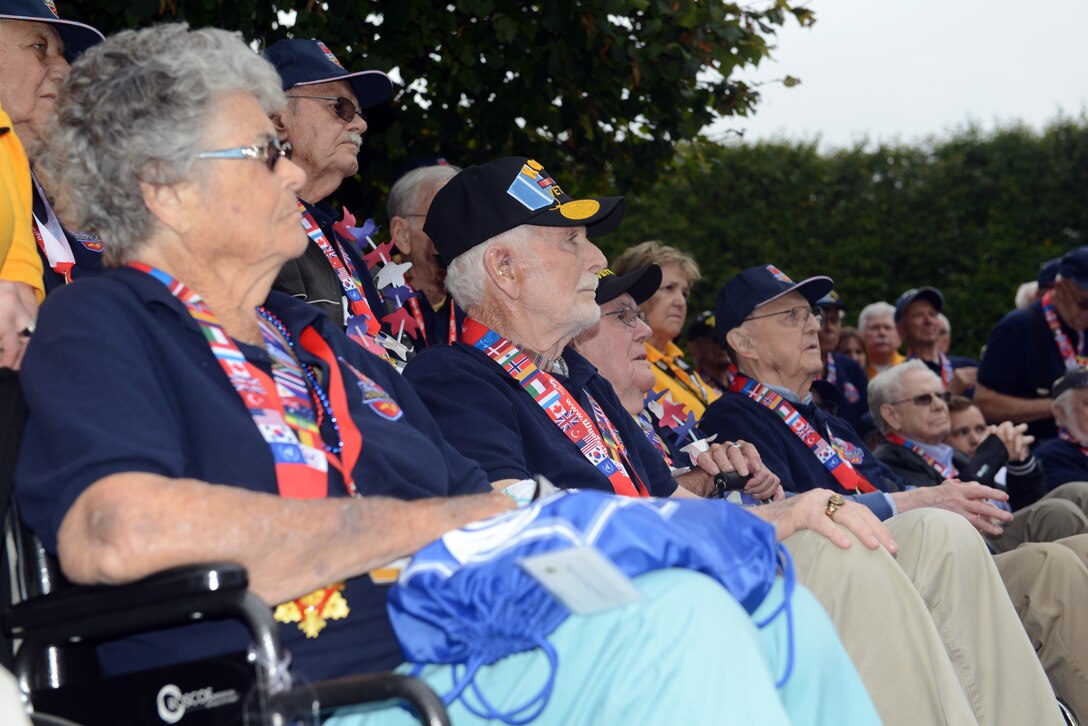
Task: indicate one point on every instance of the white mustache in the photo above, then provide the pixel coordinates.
(356, 139)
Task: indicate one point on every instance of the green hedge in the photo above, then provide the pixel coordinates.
(973, 215)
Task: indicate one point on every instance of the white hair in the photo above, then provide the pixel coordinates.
(1025, 294)
(874, 310)
(943, 320)
(466, 276)
(405, 196)
(134, 110)
(887, 387)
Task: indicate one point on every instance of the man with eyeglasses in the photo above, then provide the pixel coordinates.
(324, 123)
(438, 319)
(1031, 348)
(911, 410)
(770, 327)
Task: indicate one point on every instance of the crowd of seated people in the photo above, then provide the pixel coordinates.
(217, 373)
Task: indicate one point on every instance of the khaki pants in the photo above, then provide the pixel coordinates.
(1048, 585)
(1061, 513)
(932, 630)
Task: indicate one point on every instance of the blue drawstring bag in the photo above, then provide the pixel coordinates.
(464, 601)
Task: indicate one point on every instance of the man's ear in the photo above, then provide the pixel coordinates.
(1059, 414)
(398, 227)
(890, 416)
(741, 343)
(501, 267)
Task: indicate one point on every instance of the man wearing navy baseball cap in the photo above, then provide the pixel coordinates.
(916, 317)
(36, 46)
(770, 326)
(324, 122)
(1032, 347)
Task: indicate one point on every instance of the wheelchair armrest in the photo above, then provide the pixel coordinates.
(340, 692)
(102, 612)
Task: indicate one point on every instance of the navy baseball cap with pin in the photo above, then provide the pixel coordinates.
(831, 300)
(1074, 266)
(930, 294)
(489, 199)
(309, 62)
(702, 326)
(757, 286)
(641, 283)
(77, 37)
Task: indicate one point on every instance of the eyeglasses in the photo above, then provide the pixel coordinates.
(269, 154)
(628, 316)
(795, 317)
(342, 107)
(925, 399)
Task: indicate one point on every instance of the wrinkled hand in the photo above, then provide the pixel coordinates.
(1017, 442)
(18, 309)
(962, 379)
(968, 499)
(808, 511)
(742, 458)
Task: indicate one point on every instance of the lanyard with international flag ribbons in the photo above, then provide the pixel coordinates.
(845, 474)
(344, 269)
(1071, 359)
(643, 420)
(417, 313)
(603, 448)
(946, 472)
(281, 406)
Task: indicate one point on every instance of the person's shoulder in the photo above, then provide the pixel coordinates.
(1019, 319)
(1056, 448)
(437, 364)
(962, 361)
(97, 296)
(849, 366)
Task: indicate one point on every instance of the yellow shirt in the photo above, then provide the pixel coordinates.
(19, 260)
(897, 358)
(684, 385)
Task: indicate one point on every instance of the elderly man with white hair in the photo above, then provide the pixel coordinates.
(514, 396)
(437, 317)
(909, 407)
(770, 327)
(1065, 458)
(876, 323)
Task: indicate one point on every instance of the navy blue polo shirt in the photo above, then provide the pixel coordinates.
(1062, 462)
(488, 417)
(1021, 359)
(119, 378)
(735, 416)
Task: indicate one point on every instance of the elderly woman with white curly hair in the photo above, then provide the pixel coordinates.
(181, 413)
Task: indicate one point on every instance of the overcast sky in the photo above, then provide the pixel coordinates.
(887, 70)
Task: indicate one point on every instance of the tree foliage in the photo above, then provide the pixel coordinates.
(598, 90)
(973, 215)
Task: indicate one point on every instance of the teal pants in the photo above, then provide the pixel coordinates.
(687, 654)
